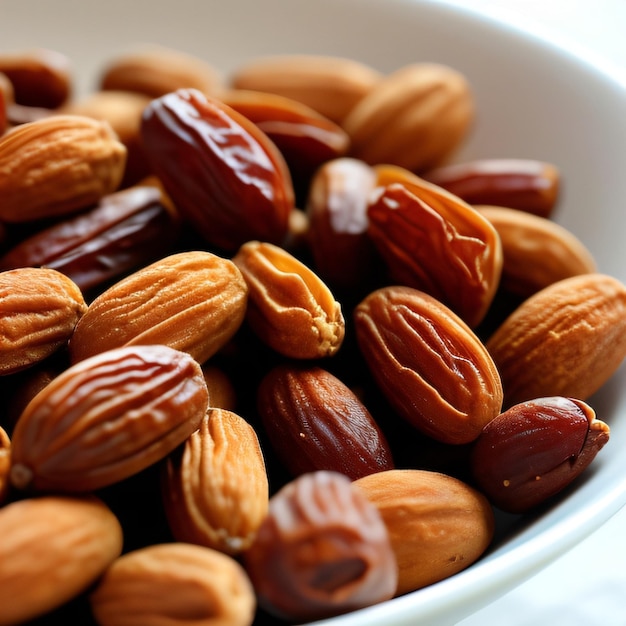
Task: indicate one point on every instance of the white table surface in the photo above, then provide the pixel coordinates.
(586, 586)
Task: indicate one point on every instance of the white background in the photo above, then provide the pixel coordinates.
(587, 586)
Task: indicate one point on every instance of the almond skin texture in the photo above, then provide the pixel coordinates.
(315, 422)
(534, 450)
(52, 549)
(322, 550)
(191, 301)
(416, 117)
(566, 340)
(215, 490)
(107, 418)
(438, 525)
(56, 166)
(289, 307)
(39, 309)
(431, 367)
(174, 583)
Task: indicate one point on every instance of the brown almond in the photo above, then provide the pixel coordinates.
(53, 548)
(39, 309)
(192, 301)
(215, 490)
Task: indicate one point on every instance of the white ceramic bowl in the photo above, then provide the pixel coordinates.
(535, 100)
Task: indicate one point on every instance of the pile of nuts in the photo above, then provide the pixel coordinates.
(266, 352)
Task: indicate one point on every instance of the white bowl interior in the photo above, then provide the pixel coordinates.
(535, 99)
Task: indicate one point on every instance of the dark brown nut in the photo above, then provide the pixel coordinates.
(433, 241)
(191, 301)
(5, 464)
(53, 548)
(215, 489)
(535, 449)
(438, 525)
(415, 117)
(123, 111)
(305, 138)
(524, 184)
(289, 306)
(124, 231)
(157, 70)
(173, 583)
(222, 172)
(566, 340)
(107, 418)
(431, 367)
(40, 77)
(39, 309)
(330, 85)
(343, 253)
(323, 550)
(315, 422)
(536, 251)
(56, 166)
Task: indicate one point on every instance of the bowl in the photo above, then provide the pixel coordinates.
(535, 99)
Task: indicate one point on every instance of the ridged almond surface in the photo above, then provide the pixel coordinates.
(56, 166)
(174, 583)
(106, 418)
(39, 309)
(415, 117)
(438, 525)
(216, 488)
(51, 549)
(566, 340)
(191, 301)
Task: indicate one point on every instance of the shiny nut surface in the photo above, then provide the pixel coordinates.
(107, 418)
(56, 166)
(192, 301)
(438, 525)
(315, 422)
(289, 307)
(222, 172)
(322, 550)
(173, 583)
(534, 450)
(215, 490)
(567, 339)
(39, 309)
(52, 549)
(429, 364)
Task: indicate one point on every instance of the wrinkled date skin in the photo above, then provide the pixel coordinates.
(222, 172)
(534, 450)
(116, 236)
(315, 422)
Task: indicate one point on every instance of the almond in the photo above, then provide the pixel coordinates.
(52, 549)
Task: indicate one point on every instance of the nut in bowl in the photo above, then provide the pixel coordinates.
(575, 125)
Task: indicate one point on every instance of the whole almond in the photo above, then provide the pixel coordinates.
(57, 165)
(174, 583)
(192, 301)
(290, 308)
(107, 418)
(415, 117)
(215, 490)
(438, 525)
(536, 251)
(566, 340)
(52, 549)
(330, 85)
(433, 370)
(39, 309)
